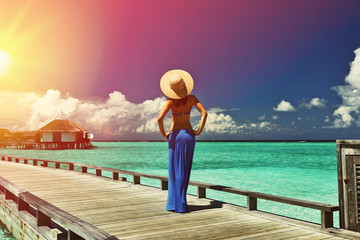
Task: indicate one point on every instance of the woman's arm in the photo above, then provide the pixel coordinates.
(203, 113)
(161, 117)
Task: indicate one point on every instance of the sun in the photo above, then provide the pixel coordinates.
(5, 62)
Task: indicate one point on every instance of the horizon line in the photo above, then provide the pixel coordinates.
(298, 140)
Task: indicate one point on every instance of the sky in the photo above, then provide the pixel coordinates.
(264, 70)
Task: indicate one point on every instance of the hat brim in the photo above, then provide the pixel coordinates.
(165, 86)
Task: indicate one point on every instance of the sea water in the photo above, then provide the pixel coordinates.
(301, 170)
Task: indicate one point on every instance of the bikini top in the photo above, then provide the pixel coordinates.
(179, 114)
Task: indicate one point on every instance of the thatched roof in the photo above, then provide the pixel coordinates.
(60, 125)
(4, 131)
(26, 133)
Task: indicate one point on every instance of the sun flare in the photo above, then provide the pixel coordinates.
(5, 62)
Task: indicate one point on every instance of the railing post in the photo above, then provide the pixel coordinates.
(8, 195)
(326, 219)
(164, 185)
(251, 203)
(98, 172)
(22, 205)
(45, 164)
(42, 219)
(115, 176)
(9, 159)
(34, 162)
(136, 179)
(84, 169)
(17, 160)
(57, 165)
(201, 192)
(71, 167)
(73, 236)
(25, 161)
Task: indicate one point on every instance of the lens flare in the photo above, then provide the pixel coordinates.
(5, 62)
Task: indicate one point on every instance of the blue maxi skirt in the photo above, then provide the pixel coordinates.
(181, 151)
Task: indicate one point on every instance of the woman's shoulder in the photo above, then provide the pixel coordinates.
(193, 98)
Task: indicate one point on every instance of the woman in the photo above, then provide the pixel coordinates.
(177, 85)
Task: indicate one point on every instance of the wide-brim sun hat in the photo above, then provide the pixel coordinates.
(176, 84)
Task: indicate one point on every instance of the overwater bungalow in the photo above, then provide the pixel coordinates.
(58, 134)
(5, 137)
(63, 134)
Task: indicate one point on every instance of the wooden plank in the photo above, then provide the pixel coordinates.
(339, 238)
(288, 234)
(312, 236)
(271, 234)
(157, 224)
(173, 217)
(130, 208)
(211, 231)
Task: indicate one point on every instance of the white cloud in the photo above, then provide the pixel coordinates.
(49, 107)
(28, 98)
(262, 117)
(284, 106)
(353, 78)
(344, 118)
(216, 110)
(275, 117)
(349, 94)
(151, 125)
(260, 126)
(314, 103)
(327, 119)
(219, 123)
(263, 124)
(15, 109)
(111, 117)
(345, 115)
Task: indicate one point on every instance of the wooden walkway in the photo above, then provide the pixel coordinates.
(129, 211)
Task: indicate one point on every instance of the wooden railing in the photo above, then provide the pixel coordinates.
(326, 210)
(47, 219)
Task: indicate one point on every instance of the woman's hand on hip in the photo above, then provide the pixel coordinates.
(196, 133)
(167, 135)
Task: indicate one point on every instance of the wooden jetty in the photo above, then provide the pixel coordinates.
(43, 199)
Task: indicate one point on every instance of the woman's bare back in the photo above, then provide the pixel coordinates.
(181, 109)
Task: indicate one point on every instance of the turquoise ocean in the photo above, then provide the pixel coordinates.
(301, 170)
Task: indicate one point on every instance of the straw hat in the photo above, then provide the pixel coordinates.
(176, 84)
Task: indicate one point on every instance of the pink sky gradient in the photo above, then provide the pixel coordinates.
(243, 54)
